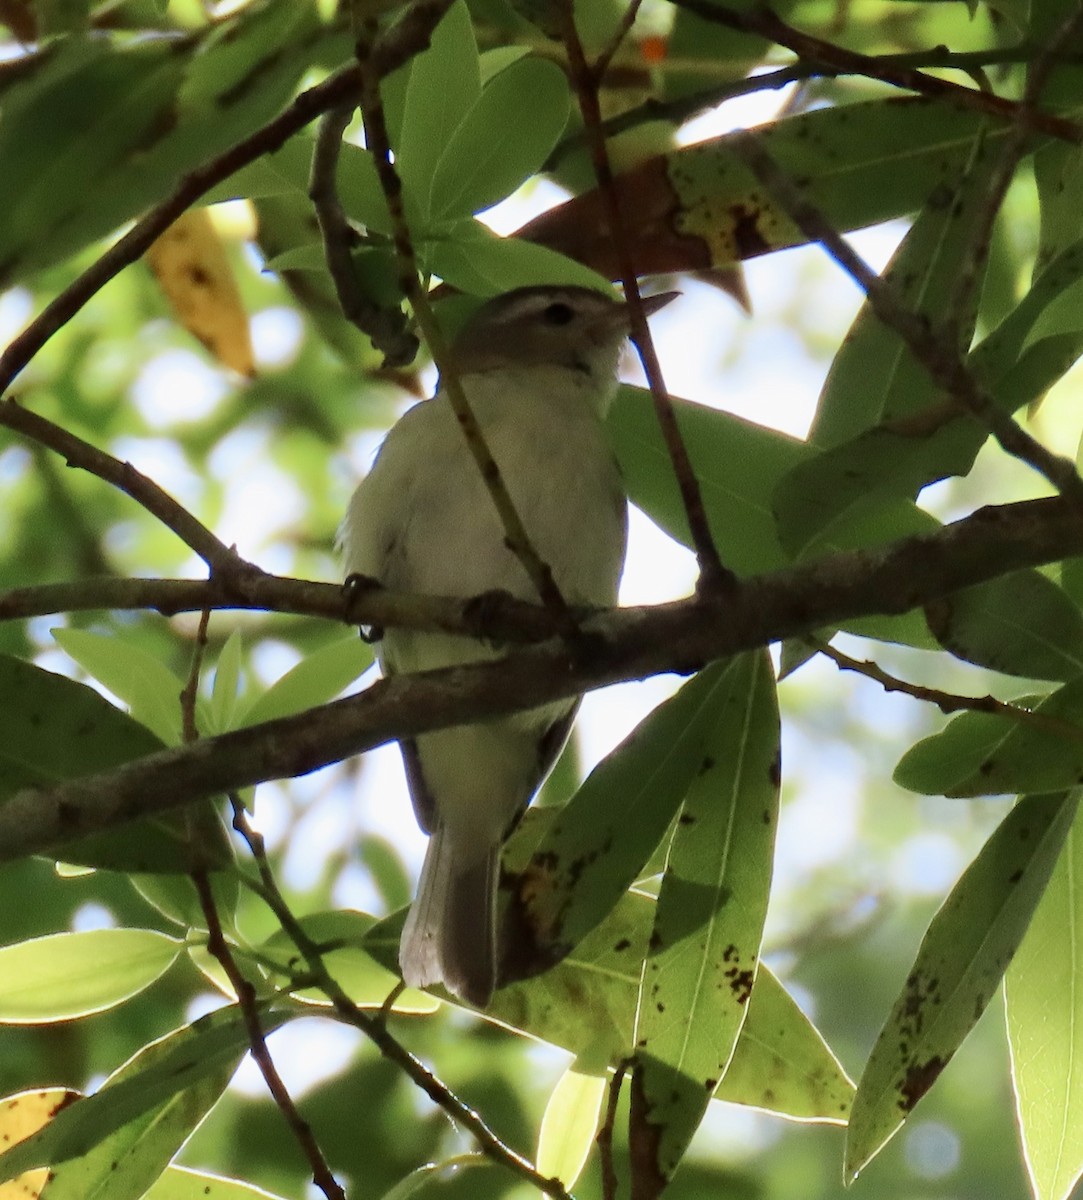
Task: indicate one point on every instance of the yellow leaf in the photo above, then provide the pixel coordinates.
(20, 1116)
(190, 264)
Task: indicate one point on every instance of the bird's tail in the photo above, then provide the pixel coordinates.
(450, 932)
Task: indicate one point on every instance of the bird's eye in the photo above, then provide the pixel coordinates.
(558, 313)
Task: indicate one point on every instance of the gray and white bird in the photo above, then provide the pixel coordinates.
(539, 369)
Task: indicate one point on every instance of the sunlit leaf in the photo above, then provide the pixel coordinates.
(962, 958)
(989, 754)
(20, 1116)
(1042, 989)
(319, 677)
(182, 1183)
(66, 975)
(597, 844)
(705, 945)
(130, 1103)
(150, 690)
(569, 1124)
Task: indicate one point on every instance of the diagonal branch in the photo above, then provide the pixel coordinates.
(713, 575)
(386, 327)
(375, 1027)
(515, 534)
(123, 476)
(932, 351)
(678, 109)
(837, 60)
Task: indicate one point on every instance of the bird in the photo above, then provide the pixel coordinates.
(539, 368)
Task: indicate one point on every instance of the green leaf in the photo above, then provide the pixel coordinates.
(1044, 1030)
(126, 1161)
(503, 140)
(236, 56)
(319, 677)
(586, 1004)
(738, 465)
(902, 455)
(359, 187)
(736, 462)
(875, 377)
(477, 261)
(56, 729)
(1058, 173)
(149, 689)
(182, 1183)
(1019, 624)
(498, 59)
(338, 935)
(174, 894)
(225, 694)
(782, 1064)
(963, 956)
(569, 1124)
(444, 85)
(840, 156)
(420, 1179)
(1063, 315)
(127, 118)
(987, 754)
(98, 105)
(875, 380)
(68, 975)
(159, 1078)
(597, 844)
(708, 925)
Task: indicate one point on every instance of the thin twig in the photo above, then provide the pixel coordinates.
(948, 702)
(935, 354)
(122, 475)
(375, 1029)
(248, 1002)
(515, 534)
(218, 948)
(386, 327)
(604, 1139)
(1015, 145)
(837, 60)
(713, 576)
(190, 691)
(624, 27)
(684, 107)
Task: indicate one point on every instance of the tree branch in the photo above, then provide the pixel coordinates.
(837, 60)
(385, 327)
(713, 576)
(502, 619)
(515, 534)
(123, 476)
(933, 351)
(682, 108)
(948, 702)
(375, 1027)
(631, 644)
